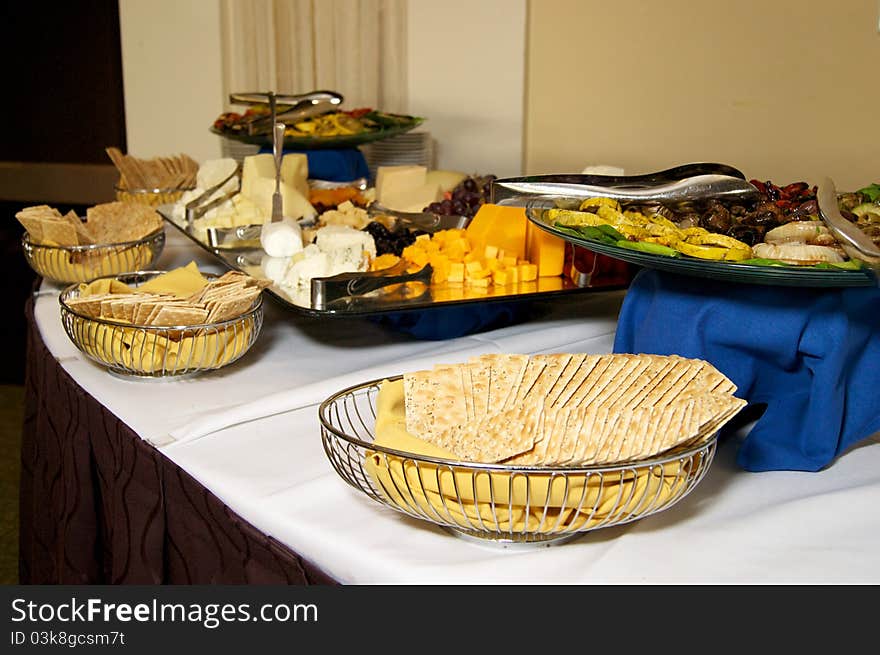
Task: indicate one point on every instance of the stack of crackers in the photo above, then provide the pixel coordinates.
(221, 299)
(567, 409)
(176, 172)
(107, 223)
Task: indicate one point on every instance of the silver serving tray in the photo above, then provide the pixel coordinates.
(381, 292)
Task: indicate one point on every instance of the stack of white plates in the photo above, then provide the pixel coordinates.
(236, 149)
(411, 148)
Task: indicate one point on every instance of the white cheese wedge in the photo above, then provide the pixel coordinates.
(295, 205)
(447, 180)
(392, 180)
(413, 200)
(255, 167)
(295, 172)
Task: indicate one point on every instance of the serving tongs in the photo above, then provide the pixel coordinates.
(854, 242)
(296, 107)
(348, 288)
(198, 207)
(425, 221)
(680, 186)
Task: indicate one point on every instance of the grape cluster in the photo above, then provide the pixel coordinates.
(388, 241)
(465, 199)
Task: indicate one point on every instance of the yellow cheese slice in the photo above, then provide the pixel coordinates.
(181, 282)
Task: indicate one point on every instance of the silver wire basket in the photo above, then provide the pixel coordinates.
(69, 264)
(496, 504)
(156, 352)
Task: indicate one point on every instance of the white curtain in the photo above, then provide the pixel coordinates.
(354, 47)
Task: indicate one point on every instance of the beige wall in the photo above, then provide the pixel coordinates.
(466, 75)
(172, 76)
(785, 90)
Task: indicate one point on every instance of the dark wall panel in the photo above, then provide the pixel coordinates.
(63, 94)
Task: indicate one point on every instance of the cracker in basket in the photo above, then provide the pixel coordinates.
(480, 380)
(495, 437)
(179, 314)
(505, 374)
(88, 305)
(59, 232)
(573, 365)
(418, 398)
(116, 222)
(225, 308)
(449, 409)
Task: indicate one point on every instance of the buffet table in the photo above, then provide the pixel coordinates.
(222, 478)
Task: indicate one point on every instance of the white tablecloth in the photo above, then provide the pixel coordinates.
(735, 527)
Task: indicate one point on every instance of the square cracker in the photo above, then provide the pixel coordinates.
(60, 232)
(179, 315)
(494, 438)
(449, 409)
(418, 399)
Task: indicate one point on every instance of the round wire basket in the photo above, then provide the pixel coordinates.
(69, 264)
(156, 352)
(151, 197)
(496, 504)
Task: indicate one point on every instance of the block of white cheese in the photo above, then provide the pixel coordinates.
(447, 180)
(295, 205)
(347, 248)
(255, 167)
(391, 180)
(407, 188)
(295, 172)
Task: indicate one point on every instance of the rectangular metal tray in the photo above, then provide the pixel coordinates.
(413, 295)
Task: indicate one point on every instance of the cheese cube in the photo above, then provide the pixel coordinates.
(490, 252)
(479, 282)
(527, 272)
(456, 272)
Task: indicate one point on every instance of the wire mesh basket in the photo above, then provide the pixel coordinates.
(151, 197)
(494, 503)
(69, 264)
(148, 351)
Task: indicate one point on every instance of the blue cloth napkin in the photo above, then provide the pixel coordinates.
(333, 164)
(811, 355)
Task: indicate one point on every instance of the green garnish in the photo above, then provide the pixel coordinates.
(872, 192)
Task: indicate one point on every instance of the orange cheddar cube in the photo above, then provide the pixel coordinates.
(456, 272)
(481, 282)
(527, 272)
